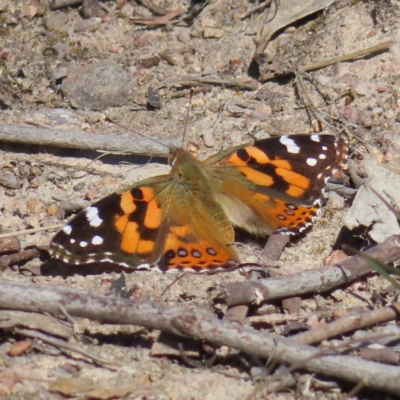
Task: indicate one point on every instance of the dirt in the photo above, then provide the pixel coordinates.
(46, 60)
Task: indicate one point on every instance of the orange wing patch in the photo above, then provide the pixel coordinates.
(142, 215)
(179, 254)
(288, 216)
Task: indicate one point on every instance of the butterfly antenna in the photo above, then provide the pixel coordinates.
(187, 116)
(137, 133)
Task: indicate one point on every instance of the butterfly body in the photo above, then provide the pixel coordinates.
(185, 219)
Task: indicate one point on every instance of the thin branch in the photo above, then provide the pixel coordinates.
(239, 83)
(316, 280)
(200, 325)
(64, 346)
(325, 63)
(83, 140)
(29, 231)
(348, 324)
(258, 8)
(25, 255)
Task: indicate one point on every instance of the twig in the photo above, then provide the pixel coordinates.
(56, 4)
(316, 280)
(240, 83)
(162, 20)
(83, 140)
(198, 324)
(25, 255)
(60, 344)
(29, 231)
(348, 324)
(183, 93)
(325, 63)
(258, 8)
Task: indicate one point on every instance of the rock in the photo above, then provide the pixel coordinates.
(97, 86)
(88, 25)
(213, 33)
(57, 21)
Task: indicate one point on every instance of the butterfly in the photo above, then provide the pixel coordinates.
(186, 219)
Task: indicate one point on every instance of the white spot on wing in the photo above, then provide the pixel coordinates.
(322, 156)
(67, 229)
(83, 244)
(92, 215)
(290, 144)
(312, 162)
(72, 241)
(96, 221)
(315, 138)
(97, 240)
(324, 148)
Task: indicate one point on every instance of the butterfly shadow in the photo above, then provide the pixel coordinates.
(58, 268)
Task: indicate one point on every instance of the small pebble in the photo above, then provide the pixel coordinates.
(335, 201)
(5, 53)
(323, 79)
(91, 9)
(9, 244)
(19, 348)
(389, 114)
(264, 110)
(361, 89)
(88, 25)
(351, 113)
(213, 33)
(30, 10)
(208, 23)
(52, 210)
(57, 21)
(184, 36)
(208, 137)
(150, 62)
(377, 111)
(142, 40)
(35, 206)
(126, 11)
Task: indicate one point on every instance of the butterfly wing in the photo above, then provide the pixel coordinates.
(157, 222)
(276, 184)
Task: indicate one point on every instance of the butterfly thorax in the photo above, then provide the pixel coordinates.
(190, 172)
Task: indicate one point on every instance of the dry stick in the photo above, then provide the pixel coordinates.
(348, 324)
(183, 93)
(197, 324)
(162, 20)
(83, 140)
(25, 255)
(322, 64)
(316, 280)
(61, 344)
(56, 4)
(258, 8)
(239, 83)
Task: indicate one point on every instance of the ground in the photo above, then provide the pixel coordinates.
(53, 64)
